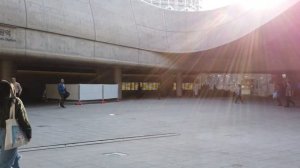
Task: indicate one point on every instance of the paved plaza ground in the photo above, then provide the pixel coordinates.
(166, 133)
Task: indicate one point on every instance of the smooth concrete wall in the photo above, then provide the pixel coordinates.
(114, 22)
(38, 44)
(57, 44)
(17, 45)
(13, 12)
(67, 17)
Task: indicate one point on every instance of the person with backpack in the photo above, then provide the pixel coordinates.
(10, 158)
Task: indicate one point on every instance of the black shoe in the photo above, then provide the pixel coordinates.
(62, 106)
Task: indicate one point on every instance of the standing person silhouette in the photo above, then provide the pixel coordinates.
(10, 158)
(62, 92)
(289, 94)
(17, 86)
(238, 94)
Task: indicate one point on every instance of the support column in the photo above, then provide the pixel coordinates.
(97, 78)
(179, 84)
(7, 70)
(166, 84)
(118, 80)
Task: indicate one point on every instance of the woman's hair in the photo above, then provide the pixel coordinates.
(5, 89)
(6, 97)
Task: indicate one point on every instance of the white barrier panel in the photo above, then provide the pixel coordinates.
(91, 91)
(84, 91)
(246, 91)
(110, 91)
(51, 91)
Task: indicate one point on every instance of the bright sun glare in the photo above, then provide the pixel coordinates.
(248, 4)
(259, 4)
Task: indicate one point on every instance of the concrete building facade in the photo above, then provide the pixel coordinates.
(93, 41)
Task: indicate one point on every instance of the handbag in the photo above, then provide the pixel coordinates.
(14, 136)
(67, 94)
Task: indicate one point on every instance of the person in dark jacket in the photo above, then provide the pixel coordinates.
(10, 158)
(288, 94)
(62, 92)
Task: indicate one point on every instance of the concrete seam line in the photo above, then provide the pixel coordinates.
(94, 23)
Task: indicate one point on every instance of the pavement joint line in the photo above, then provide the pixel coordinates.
(97, 142)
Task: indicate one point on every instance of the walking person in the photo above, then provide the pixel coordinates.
(139, 91)
(158, 90)
(277, 94)
(238, 94)
(62, 92)
(289, 94)
(17, 86)
(10, 158)
(196, 89)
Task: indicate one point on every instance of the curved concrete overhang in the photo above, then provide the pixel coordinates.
(272, 48)
(122, 31)
(133, 23)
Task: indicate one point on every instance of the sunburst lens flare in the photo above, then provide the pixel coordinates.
(260, 4)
